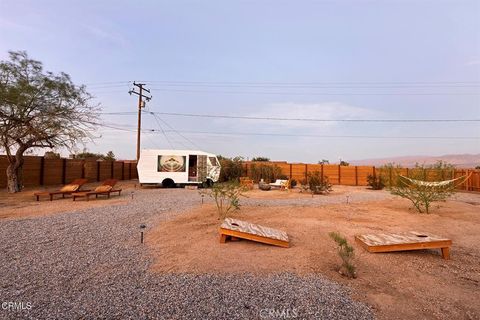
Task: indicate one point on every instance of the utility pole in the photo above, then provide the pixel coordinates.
(141, 104)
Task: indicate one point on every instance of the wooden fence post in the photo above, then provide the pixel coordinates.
(98, 170)
(123, 170)
(467, 184)
(42, 170)
(321, 178)
(83, 169)
(339, 174)
(64, 171)
(129, 171)
(356, 175)
(290, 171)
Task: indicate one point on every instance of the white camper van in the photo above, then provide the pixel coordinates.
(172, 167)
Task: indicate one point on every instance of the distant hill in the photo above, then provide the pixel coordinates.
(459, 160)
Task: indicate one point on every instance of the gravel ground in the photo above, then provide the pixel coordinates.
(90, 264)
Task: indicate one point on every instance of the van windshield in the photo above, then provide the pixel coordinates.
(213, 161)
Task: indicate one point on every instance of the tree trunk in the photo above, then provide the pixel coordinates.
(14, 176)
(13, 184)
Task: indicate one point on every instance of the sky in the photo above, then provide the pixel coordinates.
(328, 60)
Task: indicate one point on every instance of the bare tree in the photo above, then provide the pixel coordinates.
(39, 110)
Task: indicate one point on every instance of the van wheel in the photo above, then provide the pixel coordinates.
(208, 183)
(168, 183)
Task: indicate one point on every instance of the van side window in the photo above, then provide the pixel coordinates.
(213, 161)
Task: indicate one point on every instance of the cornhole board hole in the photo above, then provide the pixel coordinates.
(234, 229)
(412, 240)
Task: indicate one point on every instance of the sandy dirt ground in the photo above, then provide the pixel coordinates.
(24, 205)
(413, 284)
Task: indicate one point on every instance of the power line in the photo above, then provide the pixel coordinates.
(310, 119)
(328, 136)
(297, 86)
(317, 82)
(173, 130)
(298, 135)
(161, 128)
(320, 94)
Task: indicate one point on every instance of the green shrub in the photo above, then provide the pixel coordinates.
(317, 184)
(346, 253)
(293, 183)
(227, 197)
(232, 168)
(421, 195)
(376, 182)
(267, 172)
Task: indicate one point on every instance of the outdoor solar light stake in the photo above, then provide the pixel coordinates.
(142, 227)
(132, 193)
(202, 198)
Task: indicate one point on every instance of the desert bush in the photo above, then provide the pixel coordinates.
(317, 185)
(422, 195)
(293, 183)
(376, 182)
(227, 197)
(346, 253)
(267, 172)
(232, 168)
(390, 173)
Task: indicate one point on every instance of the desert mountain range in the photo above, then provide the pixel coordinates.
(459, 160)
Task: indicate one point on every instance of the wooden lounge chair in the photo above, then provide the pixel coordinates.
(68, 189)
(234, 229)
(105, 189)
(412, 240)
(282, 184)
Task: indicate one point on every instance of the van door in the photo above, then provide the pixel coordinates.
(202, 168)
(192, 168)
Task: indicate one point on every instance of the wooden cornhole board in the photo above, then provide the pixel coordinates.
(238, 229)
(412, 240)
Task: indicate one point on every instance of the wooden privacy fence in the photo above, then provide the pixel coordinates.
(352, 175)
(39, 171)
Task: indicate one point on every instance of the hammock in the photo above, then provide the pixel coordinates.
(434, 184)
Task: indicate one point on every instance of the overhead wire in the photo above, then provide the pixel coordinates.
(319, 94)
(308, 119)
(177, 132)
(327, 136)
(161, 128)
